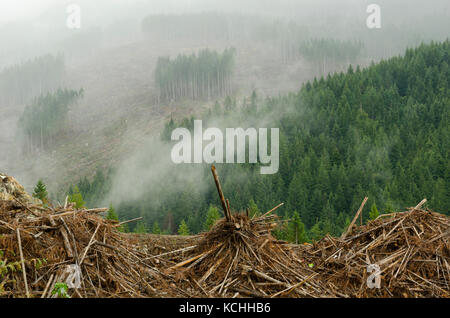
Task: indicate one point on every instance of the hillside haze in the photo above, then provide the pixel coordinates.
(361, 111)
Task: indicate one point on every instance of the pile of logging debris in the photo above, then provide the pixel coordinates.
(404, 254)
(42, 247)
(76, 247)
(409, 250)
(240, 258)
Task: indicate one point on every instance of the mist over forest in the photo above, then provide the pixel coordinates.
(361, 111)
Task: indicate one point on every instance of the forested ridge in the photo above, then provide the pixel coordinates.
(323, 53)
(21, 82)
(380, 132)
(203, 75)
(45, 116)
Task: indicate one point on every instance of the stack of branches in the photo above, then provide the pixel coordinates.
(240, 258)
(156, 244)
(77, 250)
(42, 247)
(403, 254)
(410, 251)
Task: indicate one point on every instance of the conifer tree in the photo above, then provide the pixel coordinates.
(296, 230)
(253, 210)
(77, 198)
(373, 214)
(40, 191)
(156, 229)
(140, 228)
(112, 215)
(315, 233)
(183, 229)
(211, 217)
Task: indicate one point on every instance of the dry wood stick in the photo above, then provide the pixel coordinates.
(439, 236)
(22, 263)
(264, 276)
(188, 261)
(229, 269)
(127, 221)
(219, 190)
(27, 208)
(96, 210)
(172, 252)
(53, 283)
(270, 211)
(253, 293)
(65, 213)
(71, 236)
(218, 248)
(420, 204)
(427, 281)
(9, 226)
(263, 244)
(291, 288)
(251, 250)
(47, 286)
(211, 269)
(64, 234)
(203, 290)
(89, 245)
(354, 219)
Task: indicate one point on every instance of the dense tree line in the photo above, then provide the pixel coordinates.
(95, 189)
(205, 75)
(295, 41)
(284, 36)
(45, 116)
(21, 82)
(380, 132)
(327, 54)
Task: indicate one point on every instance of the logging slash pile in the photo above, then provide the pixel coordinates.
(42, 248)
(240, 258)
(411, 250)
(404, 254)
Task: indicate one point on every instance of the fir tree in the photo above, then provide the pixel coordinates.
(77, 198)
(156, 229)
(140, 228)
(183, 229)
(373, 214)
(253, 210)
(40, 191)
(211, 217)
(315, 233)
(296, 230)
(112, 215)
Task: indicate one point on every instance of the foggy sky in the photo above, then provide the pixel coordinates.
(30, 28)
